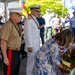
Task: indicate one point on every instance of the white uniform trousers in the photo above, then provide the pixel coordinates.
(30, 63)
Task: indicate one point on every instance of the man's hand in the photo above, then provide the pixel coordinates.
(6, 61)
(30, 49)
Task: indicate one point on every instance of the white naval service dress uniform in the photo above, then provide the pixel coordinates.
(32, 39)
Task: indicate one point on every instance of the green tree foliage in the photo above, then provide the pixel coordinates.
(56, 5)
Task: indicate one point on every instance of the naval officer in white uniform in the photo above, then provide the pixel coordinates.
(32, 37)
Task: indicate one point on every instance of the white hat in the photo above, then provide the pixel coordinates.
(36, 6)
(16, 10)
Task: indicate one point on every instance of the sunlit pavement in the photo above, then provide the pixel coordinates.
(23, 67)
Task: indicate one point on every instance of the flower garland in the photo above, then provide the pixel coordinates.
(69, 60)
(68, 56)
(60, 46)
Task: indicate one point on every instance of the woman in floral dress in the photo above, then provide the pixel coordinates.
(48, 58)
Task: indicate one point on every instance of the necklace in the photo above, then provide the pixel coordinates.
(60, 46)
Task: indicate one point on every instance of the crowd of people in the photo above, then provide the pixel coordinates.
(20, 36)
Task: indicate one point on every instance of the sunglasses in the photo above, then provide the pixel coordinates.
(18, 14)
(37, 11)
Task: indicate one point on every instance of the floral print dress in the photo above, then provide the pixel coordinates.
(47, 59)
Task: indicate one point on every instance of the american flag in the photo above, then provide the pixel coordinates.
(22, 4)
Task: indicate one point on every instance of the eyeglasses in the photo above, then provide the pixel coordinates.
(18, 14)
(37, 11)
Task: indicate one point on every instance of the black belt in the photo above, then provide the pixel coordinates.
(14, 48)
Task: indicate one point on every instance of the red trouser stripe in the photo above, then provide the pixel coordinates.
(10, 61)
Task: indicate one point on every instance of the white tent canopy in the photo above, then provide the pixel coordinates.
(5, 5)
(8, 0)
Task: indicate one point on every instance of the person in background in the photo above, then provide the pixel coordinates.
(47, 17)
(1, 24)
(11, 42)
(72, 24)
(23, 54)
(32, 36)
(48, 57)
(67, 21)
(41, 21)
(3, 17)
(56, 24)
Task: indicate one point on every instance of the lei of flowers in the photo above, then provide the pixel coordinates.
(68, 59)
